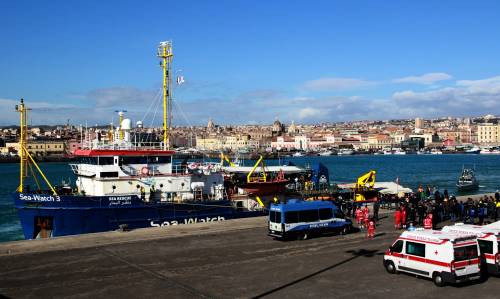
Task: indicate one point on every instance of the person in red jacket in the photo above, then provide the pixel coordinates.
(403, 217)
(428, 222)
(371, 229)
(397, 219)
(359, 216)
(366, 212)
(366, 217)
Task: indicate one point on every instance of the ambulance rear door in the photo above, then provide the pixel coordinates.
(466, 259)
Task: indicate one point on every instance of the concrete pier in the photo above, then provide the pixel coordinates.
(231, 259)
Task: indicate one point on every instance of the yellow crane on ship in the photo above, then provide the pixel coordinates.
(364, 184)
(224, 157)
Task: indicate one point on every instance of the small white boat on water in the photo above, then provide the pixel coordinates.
(298, 154)
(345, 152)
(399, 151)
(490, 151)
(326, 153)
(473, 150)
(436, 151)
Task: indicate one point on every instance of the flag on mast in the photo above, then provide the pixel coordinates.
(180, 80)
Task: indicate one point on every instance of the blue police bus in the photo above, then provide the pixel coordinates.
(301, 219)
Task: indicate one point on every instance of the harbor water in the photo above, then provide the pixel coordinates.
(440, 171)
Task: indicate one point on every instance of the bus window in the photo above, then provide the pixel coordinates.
(325, 214)
(275, 216)
(339, 214)
(308, 216)
(291, 217)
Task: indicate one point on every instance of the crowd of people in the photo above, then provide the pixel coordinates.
(425, 209)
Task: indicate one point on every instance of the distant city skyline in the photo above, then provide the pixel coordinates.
(250, 62)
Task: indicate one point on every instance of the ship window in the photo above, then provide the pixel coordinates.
(87, 160)
(105, 160)
(160, 159)
(109, 174)
(135, 160)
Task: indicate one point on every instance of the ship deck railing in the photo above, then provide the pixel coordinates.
(103, 145)
(205, 167)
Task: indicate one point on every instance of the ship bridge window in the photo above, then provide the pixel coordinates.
(134, 160)
(105, 160)
(160, 159)
(87, 160)
(109, 174)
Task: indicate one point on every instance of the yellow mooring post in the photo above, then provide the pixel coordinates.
(166, 54)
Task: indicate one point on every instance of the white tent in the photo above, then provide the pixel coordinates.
(391, 188)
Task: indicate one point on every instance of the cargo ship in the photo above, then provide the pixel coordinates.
(124, 184)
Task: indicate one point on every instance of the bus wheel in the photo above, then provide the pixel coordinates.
(345, 230)
(303, 236)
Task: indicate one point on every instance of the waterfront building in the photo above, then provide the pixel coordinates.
(419, 124)
(292, 129)
(40, 148)
(379, 141)
(429, 138)
(283, 143)
(278, 128)
(211, 143)
(488, 134)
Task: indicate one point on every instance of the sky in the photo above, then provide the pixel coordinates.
(250, 62)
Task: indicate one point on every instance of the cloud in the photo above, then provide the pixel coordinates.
(309, 112)
(425, 79)
(467, 97)
(336, 84)
(120, 97)
(486, 86)
(42, 112)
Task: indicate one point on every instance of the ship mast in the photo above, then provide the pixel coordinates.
(24, 156)
(166, 54)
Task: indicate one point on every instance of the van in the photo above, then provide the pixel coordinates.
(487, 238)
(301, 219)
(443, 257)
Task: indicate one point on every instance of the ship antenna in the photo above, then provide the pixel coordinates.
(166, 54)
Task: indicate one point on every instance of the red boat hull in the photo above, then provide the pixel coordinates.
(265, 188)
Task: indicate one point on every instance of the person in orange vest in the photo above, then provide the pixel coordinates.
(403, 216)
(371, 229)
(359, 216)
(397, 219)
(428, 222)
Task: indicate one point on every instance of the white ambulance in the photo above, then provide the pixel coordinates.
(494, 225)
(488, 240)
(444, 257)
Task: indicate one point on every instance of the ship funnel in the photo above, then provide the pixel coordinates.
(126, 126)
